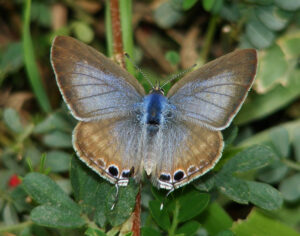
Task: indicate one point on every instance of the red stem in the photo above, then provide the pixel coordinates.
(117, 32)
(119, 57)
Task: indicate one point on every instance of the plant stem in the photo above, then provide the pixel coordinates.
(30, 63)
(136, 224)
(291, 164)
(172, 230)
(208, 38)
(16, 227)
(117, 32)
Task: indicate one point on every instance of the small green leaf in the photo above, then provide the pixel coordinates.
(252, 158)
(189, 228)
(226, 233)
(273, 17)
(10, 215)
(234, 188)
(260, 225)
(125, 203)
(45, 191)
(12, 120)
(147, 231)
(173, 57)
(205, 183)
(161, 217)
(273, 173)
(208, 4)
(296, 142)
(58, 161)
(166, 14)
(289, 5)
(264, 196)
(191, 203)
(56, 217)
(58, 139)
(281, 142)
(229, 134)
(55, 121)
(258, 34)
(215, 219)
(83, 31)
(94, 232)
(187, 4)
(290, 188)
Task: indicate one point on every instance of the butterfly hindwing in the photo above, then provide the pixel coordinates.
(111, 147)
(212, 95)
(93, 86)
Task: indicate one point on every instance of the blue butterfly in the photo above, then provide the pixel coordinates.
(122, 131)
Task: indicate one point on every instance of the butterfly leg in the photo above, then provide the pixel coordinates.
(116, 197)
(168, 193)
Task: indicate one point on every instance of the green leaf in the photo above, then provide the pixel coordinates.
(260, 225)
(125, 203)
(280, 141)
(215, 219)
(205, 183)
(58, 139)
(234, 188)
(56, 217)
(289, 5)
(225, 233)
(272, 69)
(252, 158)
(55, 121)
(58, 161)
(264, 196)
(259, 106)
(30, 63)
(45, 191)
(11, 59)
(94, 232)
(208, 4)
(189, 228)
(18, 196)
(167, 14)
(173, 57)
(10, 215)
(258, 34)
(90, 190)
(296, 142)
(191, 203)
(272, 17)
(187, 4)
(161, 217)
(273, 173)
(12, 120)
(147, 231)
(83, 31)
(290, 188)
(229, 134)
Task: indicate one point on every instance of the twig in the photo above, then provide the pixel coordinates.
(136, 224)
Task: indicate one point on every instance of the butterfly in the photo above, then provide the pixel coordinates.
(122, 131)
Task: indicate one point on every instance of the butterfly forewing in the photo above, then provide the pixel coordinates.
(212, 95)
(92, 85)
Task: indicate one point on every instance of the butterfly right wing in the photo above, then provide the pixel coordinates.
(93, 86)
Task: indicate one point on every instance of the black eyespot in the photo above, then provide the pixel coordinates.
(164, 177)
(113, 170)
(126, 173)
(178, 175)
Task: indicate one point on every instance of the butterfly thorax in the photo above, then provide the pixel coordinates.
(154, 107)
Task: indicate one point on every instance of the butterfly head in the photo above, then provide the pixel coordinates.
(157, 89)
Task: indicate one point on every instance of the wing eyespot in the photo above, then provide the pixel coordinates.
(178, 175)
(113, 170)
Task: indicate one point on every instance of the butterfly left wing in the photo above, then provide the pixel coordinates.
(213, 94)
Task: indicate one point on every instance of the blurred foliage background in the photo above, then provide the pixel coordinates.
(254, 190)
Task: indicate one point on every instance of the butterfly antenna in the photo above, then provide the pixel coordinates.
(168, 193)
(139, 69)
(173, 77)
(116, 197)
